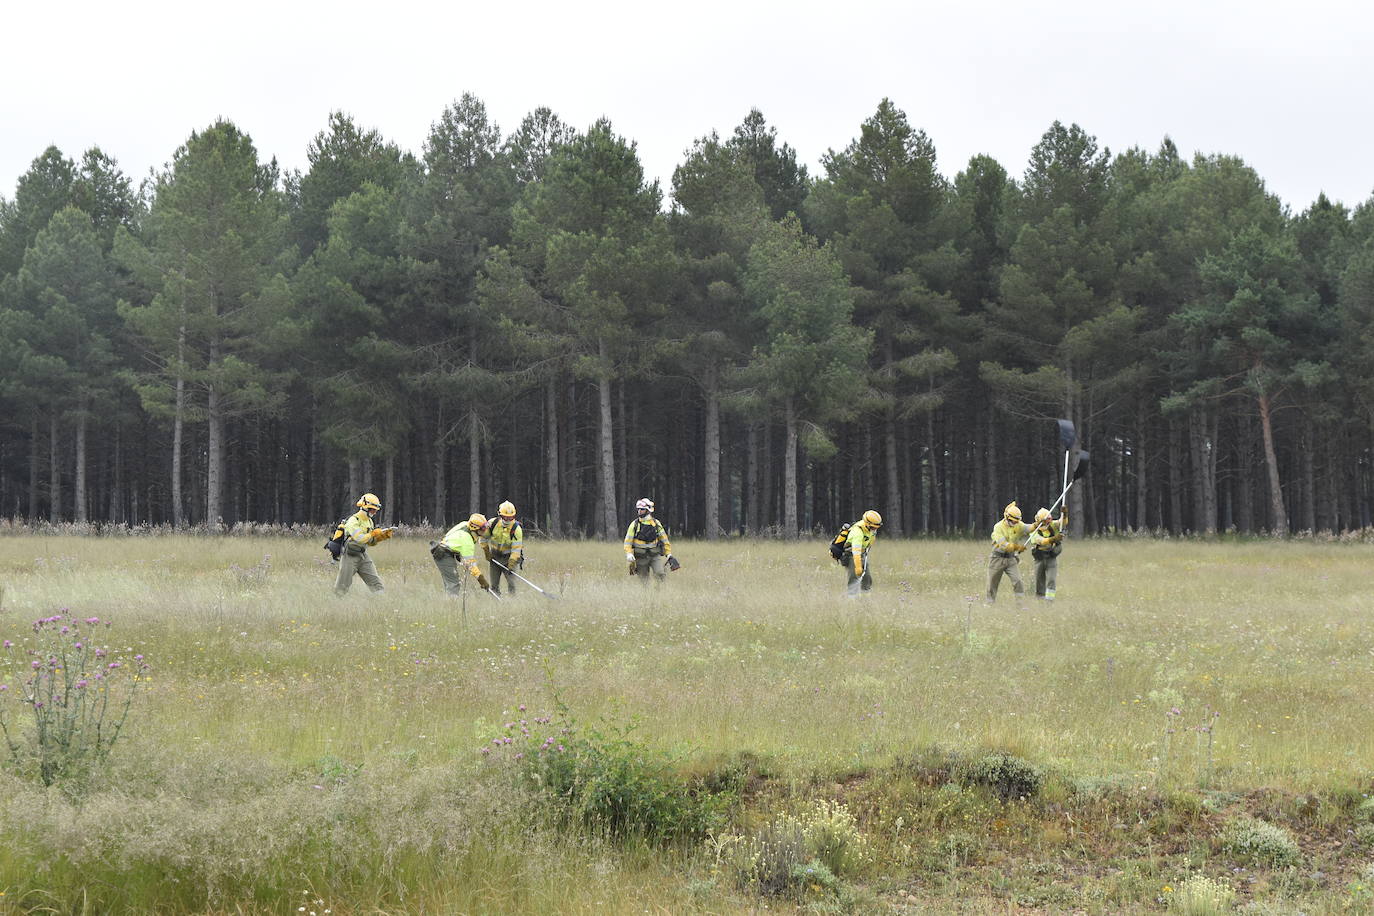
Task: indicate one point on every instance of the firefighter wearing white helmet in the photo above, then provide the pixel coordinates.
(862, 534)
(360, 532)
(646, 544)
(1009, 538)
(459, 547)
(1047, 543)
(503, 544)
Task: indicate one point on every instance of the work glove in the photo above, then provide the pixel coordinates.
(858, 565)
(631, 561)
(486, 551)
(482, 581)
(673, 564)
(381, 534)
(517, 560)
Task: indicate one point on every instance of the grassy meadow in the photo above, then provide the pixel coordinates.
(296, 752)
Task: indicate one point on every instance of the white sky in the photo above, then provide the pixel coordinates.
(1286, 86)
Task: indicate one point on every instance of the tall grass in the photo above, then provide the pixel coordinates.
(292, 744)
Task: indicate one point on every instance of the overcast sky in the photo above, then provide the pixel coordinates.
(1288, 86)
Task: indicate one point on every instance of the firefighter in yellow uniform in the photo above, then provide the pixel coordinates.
(646, 544)
(1047, 543)
(1009, 538)
(504, 544)
(862, 534)
(459, 547)
(360, 532)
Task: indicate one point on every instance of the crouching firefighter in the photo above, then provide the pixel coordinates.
(854, 558)
(504, 545)
(354, 535)
(1047, 543)
(646, 545)
(459, 547)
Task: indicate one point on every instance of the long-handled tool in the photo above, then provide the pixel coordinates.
(1079, 471)
(524, 580)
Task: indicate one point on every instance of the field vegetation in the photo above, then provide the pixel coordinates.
(1188, 728)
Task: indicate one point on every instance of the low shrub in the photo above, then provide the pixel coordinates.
(796, 853)
(1259, 842)
(1200, 895)
(1008, 776)
(607, 782)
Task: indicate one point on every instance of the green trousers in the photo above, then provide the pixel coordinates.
(1046, 572)
(646, 561)
(448, 569)
(359, 564)
(855, 584)
(1010, 566)
(496, 572)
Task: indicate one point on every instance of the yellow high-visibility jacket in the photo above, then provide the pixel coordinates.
(359, 528)
(503, 538)
(460, 542)
(647, 536)
(1006, 534)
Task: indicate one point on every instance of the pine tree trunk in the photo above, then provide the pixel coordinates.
(474, 463)
(752, 482)
(711, 459)
(389, 498)
(440, 457)
(355, 478)
(1309, 480)
(789, 474)
(214, 481)
(117, 486)
(937, 503)
(894, 486)
(551, 451)
(33, 467)
(607, 458)
(79, 489)
(1278, 514)
(55, 473)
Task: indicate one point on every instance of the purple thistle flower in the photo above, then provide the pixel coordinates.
(80, 684)
(4, 687)
(93, 620)
(8, 644)
(112, 665)
(522, 707)
(36, 664)
(520, 756)
(486, 750)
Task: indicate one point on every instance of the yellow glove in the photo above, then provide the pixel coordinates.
(515, 558)
(1017, 548)
(858, 564)
(476, 573)
(381, 534)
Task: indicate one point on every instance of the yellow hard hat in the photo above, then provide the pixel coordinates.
(1042, 514)
(507, 509)
(369, 501)
(477, 521)
(1012, 511)
(873, 519)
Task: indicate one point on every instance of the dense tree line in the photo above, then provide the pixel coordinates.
(523, 316)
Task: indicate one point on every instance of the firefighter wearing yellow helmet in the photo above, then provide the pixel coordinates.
(360, 532)
(1047, 543)
(646, 544)
(457, 548)
(504, 546)
(1009, 538)
(862, 534)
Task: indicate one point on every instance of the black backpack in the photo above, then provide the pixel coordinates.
(838, 544)
(335, 543)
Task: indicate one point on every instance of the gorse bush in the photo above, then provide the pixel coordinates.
(1253, 840)
(607, 782)
(74, 693)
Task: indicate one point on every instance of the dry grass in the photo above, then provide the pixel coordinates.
(266, 686)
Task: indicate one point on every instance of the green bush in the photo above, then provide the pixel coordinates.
(1007, 775)
(796, 853)
(609, 783)
(1256, 841)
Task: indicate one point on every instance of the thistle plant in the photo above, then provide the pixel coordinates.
(75, 693)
